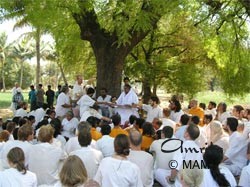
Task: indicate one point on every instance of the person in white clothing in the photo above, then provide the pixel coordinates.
(215, 175)
(126, 104)
(73, 173)
(69, 125)
(166, 121)
(17, 175)
(218, 135)
(45, 159)
(141, 158)
(117, 171)
(86, 101)
(78, 90)
(176, 111)
(106, 143)
(21, 112)
(184, 123)
(245, 176)
(89, 156)
(184, 152)
(207, 120)
(73, 143)
(25, 135)
(58, 139)
(158, 146)
(211, 109)
(222, 113)
(104, 98)
(235, 157)
(63, 104)
(153, 110)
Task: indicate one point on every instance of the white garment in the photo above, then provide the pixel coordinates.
(180, 132)
(39, 115)
(152, 112)
(106, 99)
(202, 139)
(145, 163)
(127, 99)
(62, 100)
(21, 113)
(45, 160)
(69, 127)
(213, 112)
(190, 151)
(168, 122)
(85, 103)
(236, 153)
(90, 112)
(162, 159)
(118, 173)
(77, 91)
(91, 159)
(245, 176)
(24, 145)
(176, 116)
(106, 145)
(13, 178)
(208, 180)
(62, 140)
(73, 144)
(223, 142)
(222, 117)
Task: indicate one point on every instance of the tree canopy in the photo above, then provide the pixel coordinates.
(172, 43)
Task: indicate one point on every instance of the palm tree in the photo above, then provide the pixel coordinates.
(5, 50)
(23, 51)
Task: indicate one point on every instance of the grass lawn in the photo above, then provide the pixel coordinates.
(5, 99)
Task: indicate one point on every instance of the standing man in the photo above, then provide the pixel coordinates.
(104, 98)
(39, 96)
(78, 91)
(126, 104)
(32, 98)
(17, 99)
(50, 97)
(14, 91)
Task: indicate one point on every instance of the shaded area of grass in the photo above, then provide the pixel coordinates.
(6, 98)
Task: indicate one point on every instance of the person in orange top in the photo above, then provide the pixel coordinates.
(116, 120)
(195, 110)
(136, 126)
(147, 136)
(94, 133)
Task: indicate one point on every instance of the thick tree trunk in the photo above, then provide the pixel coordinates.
(146, 91)
(109, 61)
(38, 57)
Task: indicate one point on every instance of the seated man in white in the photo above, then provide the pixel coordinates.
(153, 110)
(188, 151)
(235, 157)
(215, 175)
(184, 124)
(25, 134)
(106, 143)
(21, 112)
(104, 109)
(166, 121)
(45, 159)
(69, 125)
(176, 111)
(73, 143)
(86, 101)
(89, 156)
(141, 158)
(161, 157)
(126, 104)
(245, 176)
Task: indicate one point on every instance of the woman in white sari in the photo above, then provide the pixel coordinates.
(218, 135)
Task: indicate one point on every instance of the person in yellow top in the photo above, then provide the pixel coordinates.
(147, 136)
(116, 120)
(137, 125)
(195, 110)
(94, 133)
